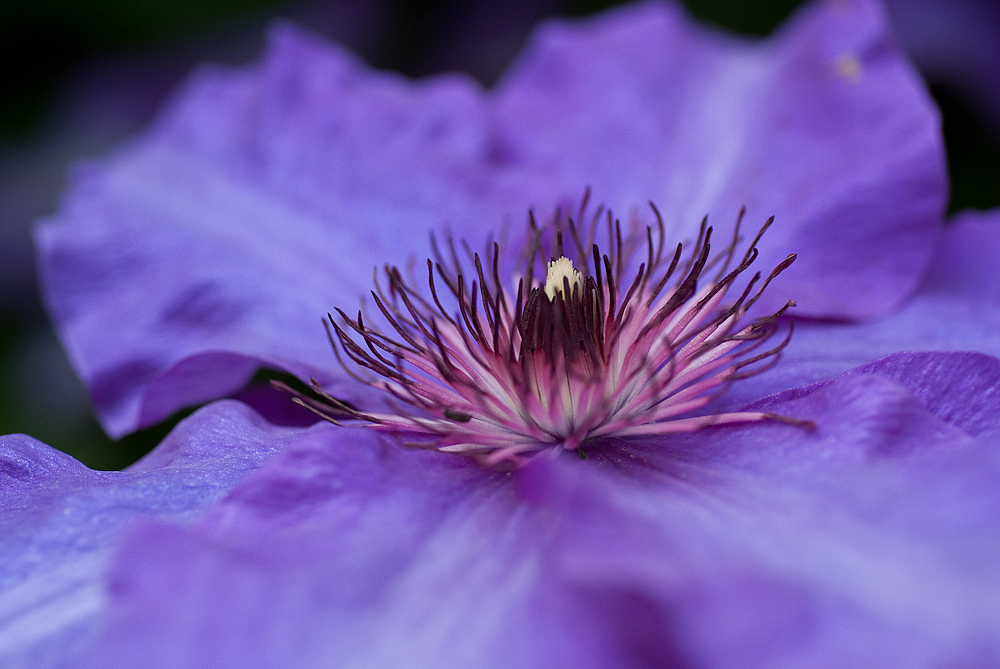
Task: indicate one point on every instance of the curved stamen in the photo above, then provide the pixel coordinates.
(568, 359)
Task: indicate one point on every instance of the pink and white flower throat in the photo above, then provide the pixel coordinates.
(574, 346)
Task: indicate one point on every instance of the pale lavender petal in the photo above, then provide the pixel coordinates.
(826, 126)
(60, 519)
(264, 197)
(870, 541)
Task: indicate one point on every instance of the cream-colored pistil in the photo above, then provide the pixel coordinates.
(560, 269)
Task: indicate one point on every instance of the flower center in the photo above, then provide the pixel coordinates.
(562, 278)
(503, 369)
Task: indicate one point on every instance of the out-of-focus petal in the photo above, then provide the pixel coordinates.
(966, 262)
(956, 43)
(60, 518)
(870, 541)
(264, 197)
(826, 126)
(350, 551)
(956, 309)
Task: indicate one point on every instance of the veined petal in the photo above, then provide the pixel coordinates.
(956, 309)
(348, 552)
(60, 520)
(258, 198)
(869, 541)
(826, 126)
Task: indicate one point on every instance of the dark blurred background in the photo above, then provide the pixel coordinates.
(80, 76)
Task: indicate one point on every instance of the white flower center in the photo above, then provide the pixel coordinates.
(558, 270)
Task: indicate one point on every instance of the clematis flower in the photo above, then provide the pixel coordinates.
(262, 198)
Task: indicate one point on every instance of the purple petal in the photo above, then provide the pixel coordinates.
(955, 42)
(60, 518)
(348, 551)
(826, 126)
(956, 309)
(264, 197)
(261, 200)
(870, 541)
(960, 388)
(966, 261)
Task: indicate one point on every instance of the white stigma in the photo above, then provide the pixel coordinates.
(558, 270)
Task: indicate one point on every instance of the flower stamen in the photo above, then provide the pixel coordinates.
(502, 370)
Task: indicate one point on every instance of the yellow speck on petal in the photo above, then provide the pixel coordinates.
(558, 270)
(849, 67)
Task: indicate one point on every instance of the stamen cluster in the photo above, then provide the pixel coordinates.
(514, 367)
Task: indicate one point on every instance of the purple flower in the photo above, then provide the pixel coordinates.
(263, 198)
